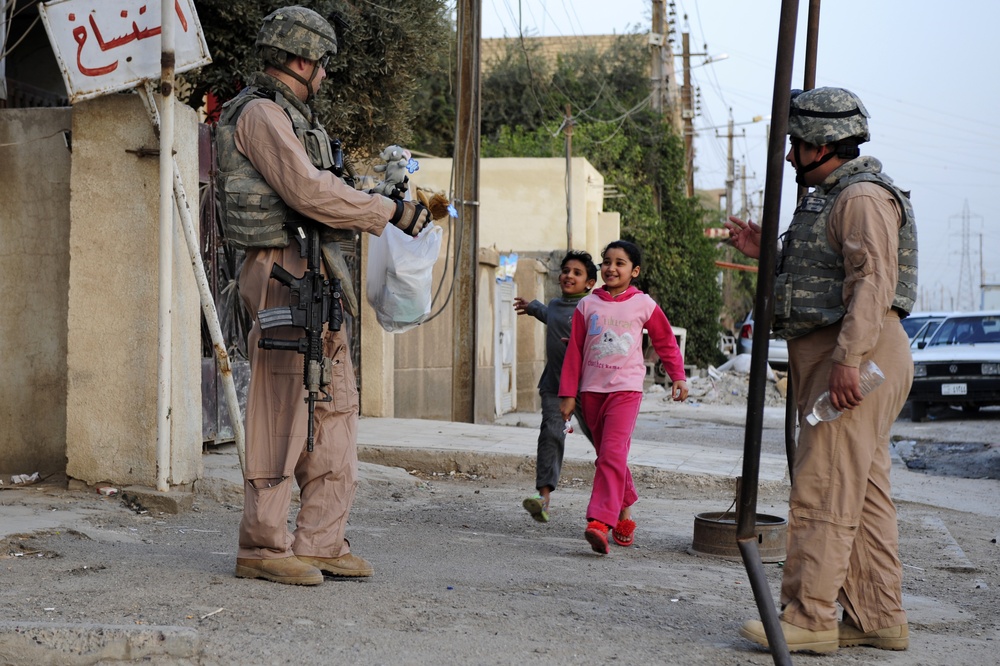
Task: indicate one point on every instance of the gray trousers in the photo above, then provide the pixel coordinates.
(552, 440)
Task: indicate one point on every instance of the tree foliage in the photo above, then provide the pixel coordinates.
(385, 51)
(638, 152)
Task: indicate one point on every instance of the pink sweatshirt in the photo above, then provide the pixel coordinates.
(605, 346)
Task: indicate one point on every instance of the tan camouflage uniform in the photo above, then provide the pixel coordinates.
(843, 536)
(276, 418)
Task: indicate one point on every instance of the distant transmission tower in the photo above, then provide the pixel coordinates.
(965, 299)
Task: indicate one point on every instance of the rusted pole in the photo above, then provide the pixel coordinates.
(204, 290)
(746, 508)
(808, 83)
(812, 45)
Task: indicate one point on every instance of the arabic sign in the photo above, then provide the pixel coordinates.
(108, 45)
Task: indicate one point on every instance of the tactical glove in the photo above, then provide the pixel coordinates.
(410, 217)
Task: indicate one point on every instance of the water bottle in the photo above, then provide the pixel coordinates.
(871, 378)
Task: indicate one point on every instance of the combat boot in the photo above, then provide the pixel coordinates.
(287, 570)
(797, 638)
(349, 565)
(887, 638)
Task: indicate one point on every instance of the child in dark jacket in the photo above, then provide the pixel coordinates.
(577, 277)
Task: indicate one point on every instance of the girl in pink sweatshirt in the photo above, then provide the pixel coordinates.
(604, 366)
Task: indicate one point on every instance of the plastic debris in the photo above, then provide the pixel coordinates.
(107, 491)
(24, 479)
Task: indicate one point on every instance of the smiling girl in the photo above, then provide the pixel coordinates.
(604, 365)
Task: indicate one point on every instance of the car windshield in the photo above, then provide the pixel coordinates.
(919, 340)
(972, 329)
(912, 325)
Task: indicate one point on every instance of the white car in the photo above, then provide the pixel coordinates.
(777, 349)
(920, 326)
(960, 365)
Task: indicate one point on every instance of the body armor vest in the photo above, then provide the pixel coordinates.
(252, 212)
(810, 281)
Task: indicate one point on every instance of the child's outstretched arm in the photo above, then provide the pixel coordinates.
(536, 309)
(661, 334)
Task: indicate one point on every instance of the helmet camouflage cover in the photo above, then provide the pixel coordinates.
(822, 116)
(299, 31)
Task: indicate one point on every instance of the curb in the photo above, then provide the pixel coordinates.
(497, 465)
(30, 643)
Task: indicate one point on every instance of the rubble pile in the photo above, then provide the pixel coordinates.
(729, 384)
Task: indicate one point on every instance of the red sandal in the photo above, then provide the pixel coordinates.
(597, 536)
(624, 532)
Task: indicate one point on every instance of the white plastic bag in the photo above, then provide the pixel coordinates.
(400, 276)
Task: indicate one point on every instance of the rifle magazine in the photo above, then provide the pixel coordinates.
(272, 317)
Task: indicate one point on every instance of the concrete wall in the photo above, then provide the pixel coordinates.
(34, 275)
(111, 421)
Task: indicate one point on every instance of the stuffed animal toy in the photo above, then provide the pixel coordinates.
(435, 202)
(398, 162)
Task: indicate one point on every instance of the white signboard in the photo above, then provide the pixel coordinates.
(103, 46)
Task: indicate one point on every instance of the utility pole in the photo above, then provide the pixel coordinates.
(731, 163)
(966, 302)
(687, 113)
(569, 178)
(730, 175)
(657, 42)
(466, 238)
(743, 190)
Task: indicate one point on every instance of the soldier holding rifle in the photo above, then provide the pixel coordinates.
(279, 192)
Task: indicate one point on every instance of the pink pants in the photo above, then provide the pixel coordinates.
(611, 418)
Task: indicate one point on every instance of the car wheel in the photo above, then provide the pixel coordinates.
(970, 408)
(918, 411)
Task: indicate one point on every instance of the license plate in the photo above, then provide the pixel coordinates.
(953, 389)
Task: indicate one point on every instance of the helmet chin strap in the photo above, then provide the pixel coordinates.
(307, 83)
(801, 170)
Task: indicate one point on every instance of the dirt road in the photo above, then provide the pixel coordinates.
(463, 575)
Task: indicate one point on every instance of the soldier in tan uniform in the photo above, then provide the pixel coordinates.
(846, 276)
(274, 182)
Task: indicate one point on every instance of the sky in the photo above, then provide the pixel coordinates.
(927, 73)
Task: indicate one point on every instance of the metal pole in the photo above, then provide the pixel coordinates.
(204, 289)
(466, 162)
(812, 45)
(746, 508)
(808, 83)
(166, 255)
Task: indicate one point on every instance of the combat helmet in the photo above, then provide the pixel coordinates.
(823, 116)
(298, 31)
